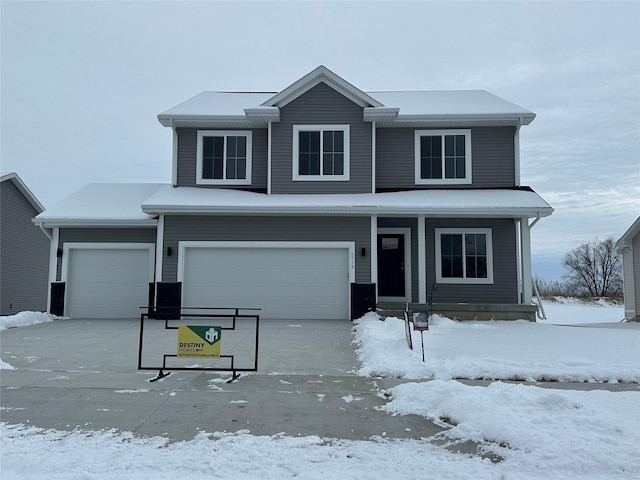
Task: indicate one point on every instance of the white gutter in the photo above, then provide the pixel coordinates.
(44, 231)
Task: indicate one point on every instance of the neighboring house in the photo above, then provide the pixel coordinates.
(629, 247)
(311, 202)
(24, 249)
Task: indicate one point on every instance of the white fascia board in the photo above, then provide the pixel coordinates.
(22, 187)
(497, 117)
(349, 210)
(313, 78)
(180, 120)
(88, 222)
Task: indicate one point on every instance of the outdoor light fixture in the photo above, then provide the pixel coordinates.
(59, 253)
(363, 252)
(169, 251)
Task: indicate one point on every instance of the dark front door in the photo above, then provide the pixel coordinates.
(391, 266)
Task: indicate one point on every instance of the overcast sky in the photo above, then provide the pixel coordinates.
(82, 83)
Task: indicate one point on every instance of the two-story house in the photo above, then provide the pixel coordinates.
(305, 201)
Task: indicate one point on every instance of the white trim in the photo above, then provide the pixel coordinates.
(224, 181)
(53, 263)
(516, 150)
(68, 246)
(269, 146)
(159, 248)
(527, 281)
(463, 231)
(422, 261)
(373, 157)
(519, 223)
(24, 190)
(443, 181)
(184, 245)
(374, 252)
(324, 178)
(406, 231)
(174, 158)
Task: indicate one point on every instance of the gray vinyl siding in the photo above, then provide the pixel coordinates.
(268, 229)
(103, 235)
(321, 105)
(636, 272)
(492, 158)
(187, 150)
(24, 260)
(505, 275)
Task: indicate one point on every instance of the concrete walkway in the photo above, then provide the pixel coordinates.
(83, 374)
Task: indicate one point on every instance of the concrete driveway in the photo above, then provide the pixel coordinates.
(83, 374)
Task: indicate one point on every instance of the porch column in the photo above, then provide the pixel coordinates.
(527, 283)
(159, 247)
(374, 252)
(422, 263)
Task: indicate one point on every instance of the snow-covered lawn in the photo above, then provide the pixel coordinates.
(538, 433)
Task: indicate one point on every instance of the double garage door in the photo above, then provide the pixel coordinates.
(286, 281)
(107, 281)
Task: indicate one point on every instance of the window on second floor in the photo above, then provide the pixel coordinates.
(464, 255)
(442, 157)
(321, 152)
(223, 157)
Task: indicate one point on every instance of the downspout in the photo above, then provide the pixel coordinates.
(174, 157)
(516, 151)
(45, 232)
(269, 159)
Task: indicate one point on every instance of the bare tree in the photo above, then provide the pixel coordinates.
(595, 268)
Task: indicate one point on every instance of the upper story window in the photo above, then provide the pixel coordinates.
(321, 152)
(443, 157)
(223, 157)
(464, 255)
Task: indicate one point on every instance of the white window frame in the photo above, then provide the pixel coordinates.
(320, 128)
(464, 280)
(443, 181)
(223, 181)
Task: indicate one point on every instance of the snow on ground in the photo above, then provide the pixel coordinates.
(23, 319)
(538, 433)
(571, 311)
(500, 350)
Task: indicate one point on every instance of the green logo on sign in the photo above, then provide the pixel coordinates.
(209, 334)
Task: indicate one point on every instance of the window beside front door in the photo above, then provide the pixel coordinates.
(223, 157)
(321, 152)
(442, 157)
(464, 256)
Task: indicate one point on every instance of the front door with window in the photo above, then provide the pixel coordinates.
(391, 265)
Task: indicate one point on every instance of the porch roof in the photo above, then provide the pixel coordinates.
(510, 203)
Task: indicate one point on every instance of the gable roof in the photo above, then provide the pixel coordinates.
(626, 239)
(321, 75)
(22, 187)
(387, 108)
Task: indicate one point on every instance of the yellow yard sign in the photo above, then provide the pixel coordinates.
(199, 342)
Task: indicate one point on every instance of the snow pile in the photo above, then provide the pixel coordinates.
(540, 433)
(567, 311)
(34, 453)
(24, 319)
(498, 350)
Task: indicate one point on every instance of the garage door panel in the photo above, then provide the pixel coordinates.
(107, 283)
(290, 283)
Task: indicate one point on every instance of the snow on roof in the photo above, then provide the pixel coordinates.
(493, 202)
(102, 204)
(626, 240)
(448, 102)
(441, 103)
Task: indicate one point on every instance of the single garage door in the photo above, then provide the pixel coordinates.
(107, 282)
(286, 283)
